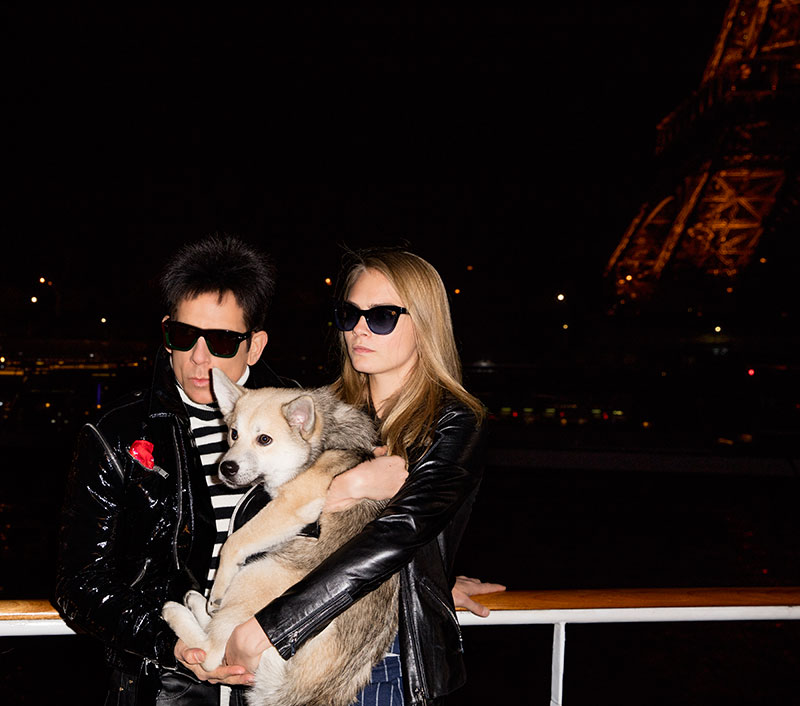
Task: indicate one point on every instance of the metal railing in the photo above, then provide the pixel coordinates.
(557, 608)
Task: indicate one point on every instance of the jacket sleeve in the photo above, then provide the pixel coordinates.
(437, 486)
(95, 582)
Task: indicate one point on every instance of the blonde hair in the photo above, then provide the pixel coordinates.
(411, 414)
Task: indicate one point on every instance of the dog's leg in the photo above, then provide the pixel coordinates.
(184, 624)
(255, 586)
(299, 503)
(197, 603)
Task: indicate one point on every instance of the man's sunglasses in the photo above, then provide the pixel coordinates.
(380, 319)
(182, 337)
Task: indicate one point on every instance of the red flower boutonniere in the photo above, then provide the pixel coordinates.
(142, 451)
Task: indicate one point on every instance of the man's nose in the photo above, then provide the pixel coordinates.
(200, 352)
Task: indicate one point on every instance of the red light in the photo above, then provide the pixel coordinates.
(751, 372)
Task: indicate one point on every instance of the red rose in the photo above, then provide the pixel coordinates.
(142, 451)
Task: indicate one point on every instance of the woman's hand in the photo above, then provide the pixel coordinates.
(466, 587)
(377, 479)
(246, 644)
(192, 658)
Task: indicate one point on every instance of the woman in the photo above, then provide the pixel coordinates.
(399, 361)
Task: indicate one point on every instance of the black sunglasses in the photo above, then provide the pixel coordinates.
(380, 319)
(182, 337)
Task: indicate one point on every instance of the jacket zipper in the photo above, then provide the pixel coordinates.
(300, 631)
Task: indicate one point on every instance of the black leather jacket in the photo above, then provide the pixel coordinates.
(417, 534)
(132, 538)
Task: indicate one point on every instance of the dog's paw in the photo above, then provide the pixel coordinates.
(196, 603)
(171, 611)
(213, 605)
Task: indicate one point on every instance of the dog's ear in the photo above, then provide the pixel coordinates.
(226, 392)
(301, 415)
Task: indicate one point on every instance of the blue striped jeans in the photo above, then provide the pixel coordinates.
(386, 686)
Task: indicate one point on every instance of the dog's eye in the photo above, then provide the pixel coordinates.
(263, 440)
(234, 435)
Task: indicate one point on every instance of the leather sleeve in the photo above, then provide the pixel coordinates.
(96, 581)
(437, 486)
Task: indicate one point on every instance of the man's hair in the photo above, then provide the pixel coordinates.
(221, 263)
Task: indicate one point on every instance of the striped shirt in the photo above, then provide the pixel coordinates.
(211, 439)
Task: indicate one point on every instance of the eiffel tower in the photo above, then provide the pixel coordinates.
(727, 169)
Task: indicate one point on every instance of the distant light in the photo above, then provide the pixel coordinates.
(328, 281)
(560, 297)
(718, 328)
(629, 277)
(42, 280)
(470, 268)
(103, 320)
(763, 260)
(751, 372)
(34, 300)
(565, 326)
(457, 291)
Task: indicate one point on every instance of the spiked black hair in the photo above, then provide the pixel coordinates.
(221, 263)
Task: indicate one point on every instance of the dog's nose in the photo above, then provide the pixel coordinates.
(228, 468)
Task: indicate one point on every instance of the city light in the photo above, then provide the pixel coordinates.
(560, 297)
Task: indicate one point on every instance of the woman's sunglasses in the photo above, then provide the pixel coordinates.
(380, 319)
(182, 337)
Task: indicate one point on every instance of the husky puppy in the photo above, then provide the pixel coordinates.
(294, 442)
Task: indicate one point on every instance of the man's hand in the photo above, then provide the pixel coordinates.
(246, 644)
(466, 587)
(377, 479)
(192, 658)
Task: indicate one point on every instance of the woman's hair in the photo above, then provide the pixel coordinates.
(411, 414)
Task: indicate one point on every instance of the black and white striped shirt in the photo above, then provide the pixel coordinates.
(211, 438)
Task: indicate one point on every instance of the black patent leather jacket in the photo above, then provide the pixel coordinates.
(418, 535)
(132, 538)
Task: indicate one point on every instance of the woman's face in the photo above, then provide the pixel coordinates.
(388, 358)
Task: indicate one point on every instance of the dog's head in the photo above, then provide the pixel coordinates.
(271, 433)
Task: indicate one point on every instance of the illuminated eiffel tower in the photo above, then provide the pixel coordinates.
(728, 177)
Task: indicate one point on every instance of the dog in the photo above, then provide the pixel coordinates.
(294, 441)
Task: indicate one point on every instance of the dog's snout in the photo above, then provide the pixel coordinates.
(228, 468)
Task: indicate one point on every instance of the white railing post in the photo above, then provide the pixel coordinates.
(557, 676)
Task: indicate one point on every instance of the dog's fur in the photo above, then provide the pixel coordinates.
(294, 442)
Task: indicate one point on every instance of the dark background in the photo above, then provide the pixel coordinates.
(515, 141)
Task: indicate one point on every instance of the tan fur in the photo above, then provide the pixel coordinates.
(313, 438)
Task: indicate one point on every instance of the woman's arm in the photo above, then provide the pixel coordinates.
(437, 486)
(377, 479)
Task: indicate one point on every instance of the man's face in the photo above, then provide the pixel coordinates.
(193, 367)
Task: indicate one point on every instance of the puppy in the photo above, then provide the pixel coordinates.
(294, 442)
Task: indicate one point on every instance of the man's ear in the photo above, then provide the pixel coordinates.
(226, 392)
(258, 342)
(165, 345)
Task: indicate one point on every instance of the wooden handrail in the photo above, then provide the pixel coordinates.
(578, 599)
(588, 599)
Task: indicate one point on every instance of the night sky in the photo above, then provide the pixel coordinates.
(515, 140)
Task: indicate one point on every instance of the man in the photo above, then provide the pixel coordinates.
(143, 503)
(144, 513)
